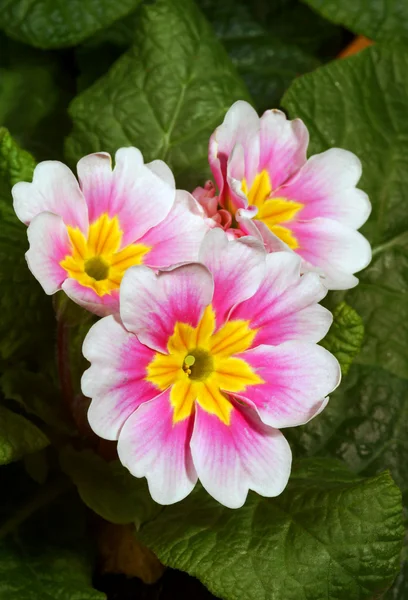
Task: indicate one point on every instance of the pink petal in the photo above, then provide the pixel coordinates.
(283, 146)
(285, 305)
(298, 376)
(116, 378)
(53, 189)
(140, 195)
(236, 167)
(333, 247)
(240, 126)
(152, 446)
(49, 244)
(151, 305)
(326, 185)
(244, 455)
(176, 239)
(89, 299)
(237, 267)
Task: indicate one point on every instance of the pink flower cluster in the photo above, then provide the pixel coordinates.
(210, 302)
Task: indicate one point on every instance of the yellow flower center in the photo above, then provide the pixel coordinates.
(201, 367)
(272, 211)
(97, 261)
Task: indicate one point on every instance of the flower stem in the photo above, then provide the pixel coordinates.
(64, 363)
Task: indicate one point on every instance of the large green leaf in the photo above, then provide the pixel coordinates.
(38, 394)
(165, 96)
(45, 549)
(108, 488)
(377, 19)
(15, 163)
(345, 336)
(57, 23)
(26, 318)
(364, 424)
(360, 104)
(18, 436)
(35, 89)
(329, 535)
(369, 119)
(270, 44)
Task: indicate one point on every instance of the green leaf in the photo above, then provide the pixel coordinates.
(38, 394)
(399, 590)
(345, 336)
(329, 535)
(165, 96)
(363, 424)
(370, 120)
(18, 437)
(269, 45)
(364, 421)
(35, 89)
(26, 317)
(56, 23)
(45, 547)
(15, 163)
(108, 488)
(385, 20)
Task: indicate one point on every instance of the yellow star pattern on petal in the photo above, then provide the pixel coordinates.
(97, 261)
(201, 367)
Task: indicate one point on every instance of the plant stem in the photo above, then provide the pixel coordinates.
(63, 363)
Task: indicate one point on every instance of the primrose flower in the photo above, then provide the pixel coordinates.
(83, 236)
(311, 207)
(205, 364)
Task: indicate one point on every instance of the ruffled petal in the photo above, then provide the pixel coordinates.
(244, 455)
(108, 304)
(116, 380)
(283, 146)
(336, 249)
(49, 244)
(285, 306)
(140, 196)
(297, 376)
(178, 238)
(54, 189)
(151, 305)
(237, 267)
(152, 446)
(326, 186)
(240, 126)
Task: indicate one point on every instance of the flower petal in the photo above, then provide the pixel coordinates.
(326, 186)
(49, 244)
(240, 126)
(108, 304)
(244, 455)
(151, 305)
(297, 375)
(335, 248)
(283, 146)
(285, 305)
(176, 239)
(139, 196)
(54, 189)
(237, 267)
(152, 446)
(116, 379)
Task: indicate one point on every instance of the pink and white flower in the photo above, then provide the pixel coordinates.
(205, 364)
(311, 207)
(84, 236)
